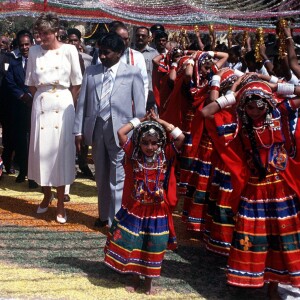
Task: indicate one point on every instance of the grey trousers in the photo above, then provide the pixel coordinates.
(109, 171)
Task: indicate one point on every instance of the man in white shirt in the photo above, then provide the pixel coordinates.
(131, 56)
(142, 38)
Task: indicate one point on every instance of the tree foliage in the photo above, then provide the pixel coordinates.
(10, 26)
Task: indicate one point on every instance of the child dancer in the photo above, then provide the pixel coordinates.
(265, 245)
(139, 234)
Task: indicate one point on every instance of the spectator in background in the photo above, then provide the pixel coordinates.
(160, 40)
(154, 29)
(235, 58)
(22, 102)
(62, 35)
(142, 38)
(74, 38)
(5, 44)
(36, 37)
(131, 56)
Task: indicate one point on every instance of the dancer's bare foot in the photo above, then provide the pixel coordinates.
(150, 289)
(135, 283)
(273, 291)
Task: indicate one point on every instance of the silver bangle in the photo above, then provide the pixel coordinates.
(273, 79)
(175, 133)
(285, 89)
(135, 122)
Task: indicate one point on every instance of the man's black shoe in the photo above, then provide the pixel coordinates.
(32, 184)
(100, 224)
(20, 178)
(86, 172)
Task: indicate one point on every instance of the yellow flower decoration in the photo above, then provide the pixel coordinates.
(246, 243)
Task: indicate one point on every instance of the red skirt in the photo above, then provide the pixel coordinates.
(138, 239)
(266, 240)
(194, 177)
(219, 223)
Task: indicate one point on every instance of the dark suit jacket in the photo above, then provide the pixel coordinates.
(4, 59)
(4, 62)
(19, 112)
(15, 78)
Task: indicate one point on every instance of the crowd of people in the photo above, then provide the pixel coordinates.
(211, 124)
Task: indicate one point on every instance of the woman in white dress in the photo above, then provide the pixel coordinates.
(54, 77)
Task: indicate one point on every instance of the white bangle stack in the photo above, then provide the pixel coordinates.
(174, 64)
(211, 53)
(238, 73)
(135, 122)
(285, 89)
(273, 79)
(215, 81)
(175, 133)
(227, 100)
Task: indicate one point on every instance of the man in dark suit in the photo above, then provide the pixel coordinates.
(112, 93)
(22, 101)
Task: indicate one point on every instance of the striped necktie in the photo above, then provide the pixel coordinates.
(105, 96)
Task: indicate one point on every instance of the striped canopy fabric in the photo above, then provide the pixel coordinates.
(173, 14)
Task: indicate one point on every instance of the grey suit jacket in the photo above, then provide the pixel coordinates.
(127, 100)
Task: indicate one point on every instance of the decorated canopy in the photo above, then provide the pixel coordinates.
(172, 13)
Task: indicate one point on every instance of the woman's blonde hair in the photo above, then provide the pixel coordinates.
(47, 22)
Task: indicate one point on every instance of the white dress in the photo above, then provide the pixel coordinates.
(52, 146)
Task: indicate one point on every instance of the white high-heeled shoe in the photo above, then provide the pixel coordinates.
(41, 210)
(62, 220)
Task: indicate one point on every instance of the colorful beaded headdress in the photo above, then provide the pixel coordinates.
(203, 58)
(227, 79)
(261, 93)
(151, 128)
(255, 88)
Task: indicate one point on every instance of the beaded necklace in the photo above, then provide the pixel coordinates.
(258, 133)
(158, 168)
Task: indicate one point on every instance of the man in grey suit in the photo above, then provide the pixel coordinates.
(112, 93)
